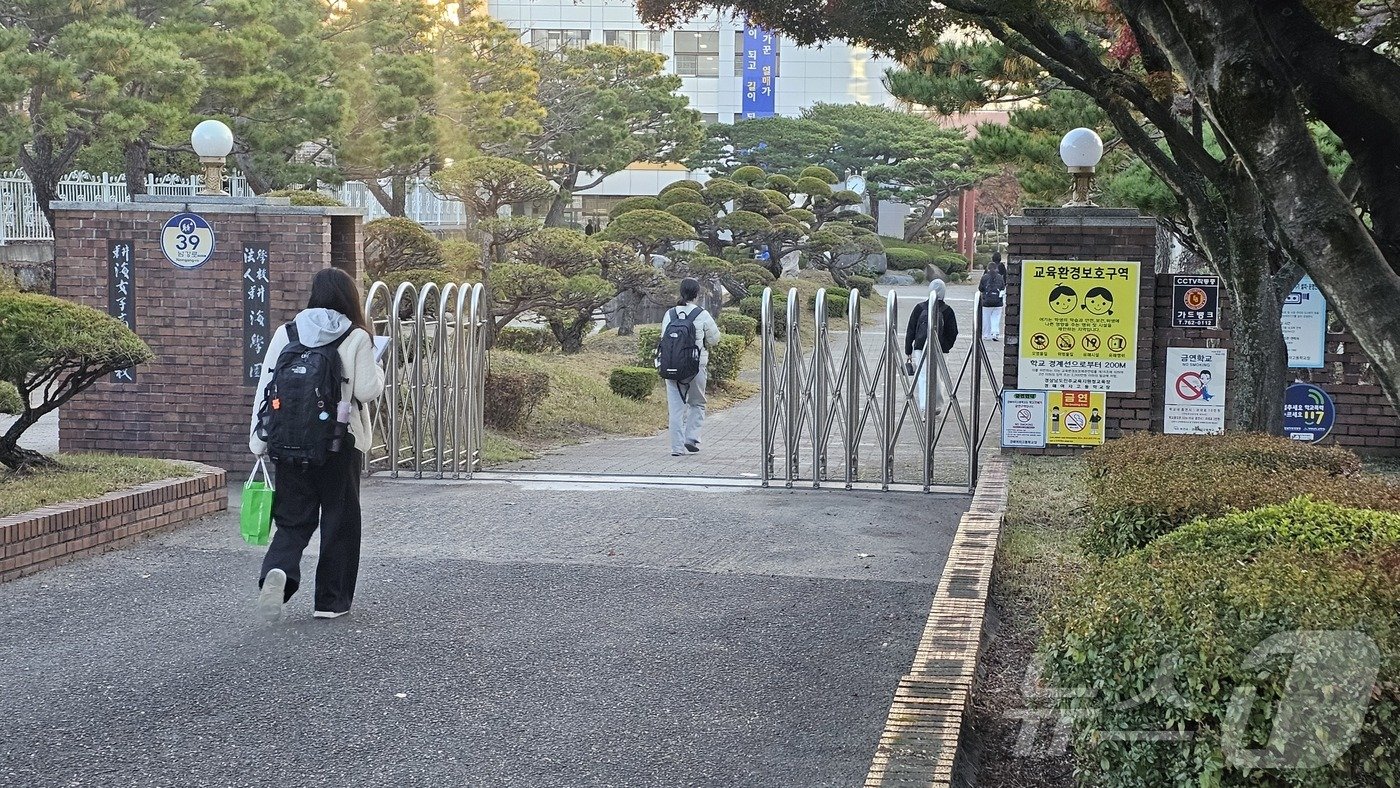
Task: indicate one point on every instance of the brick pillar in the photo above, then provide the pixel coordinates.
(1088, 234)
(193, 401)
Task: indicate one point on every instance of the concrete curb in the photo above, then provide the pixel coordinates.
(919, 745)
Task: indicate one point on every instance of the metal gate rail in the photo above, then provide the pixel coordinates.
(430, 414)
(858, 397)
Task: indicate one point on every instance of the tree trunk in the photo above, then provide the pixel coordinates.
(257, 182)
(910, 233)
(570, 333)
(22, 460)
(627, 304)
(1223, 55)
(555, 217)
(1259, 354)
(45, 162)
(136, 163)
(399, 203)
(875, 210)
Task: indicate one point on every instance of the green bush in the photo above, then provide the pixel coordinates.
(633, 382)
(306, 198)
(531, 341)
(513, 391)
(1161, 641)
(752, 307)
(837, 304)
(1142, 487)
(398, 244)
(865, 284)
(10, 403)
(759, 272)
(725, 360)
(648, 337)
(906, 259)
(739, 325)
(951, 263)
(634, 204)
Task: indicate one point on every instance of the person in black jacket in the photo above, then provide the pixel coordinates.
(991, 286)
(916, 338)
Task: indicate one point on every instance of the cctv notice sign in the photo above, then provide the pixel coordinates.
(1079, 324)
(1023, 419)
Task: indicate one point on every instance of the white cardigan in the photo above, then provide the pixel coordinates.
(365, 377)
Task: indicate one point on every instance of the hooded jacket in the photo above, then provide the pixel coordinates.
(365, 379)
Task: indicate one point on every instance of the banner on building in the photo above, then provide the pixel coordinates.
(1079, 323)
(760, 75)
(1076, 418)
(1305, 326)
(1195, 397)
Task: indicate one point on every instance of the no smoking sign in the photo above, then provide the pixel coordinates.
(1189, 386)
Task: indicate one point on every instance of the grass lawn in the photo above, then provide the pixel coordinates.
(1039, 553)
(80, 477)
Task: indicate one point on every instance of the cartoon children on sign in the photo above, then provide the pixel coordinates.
(1206, 396)
(1063, 299)
(1099, 301)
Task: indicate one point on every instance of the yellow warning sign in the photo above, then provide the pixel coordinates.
(1076, 418)
(1091, 310)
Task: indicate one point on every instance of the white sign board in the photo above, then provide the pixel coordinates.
(1022, 419)
(187, 240)
(1305, 326)
(1195, 382)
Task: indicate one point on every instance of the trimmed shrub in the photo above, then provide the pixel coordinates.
(648, 337)
(634, 204)
(757, 271)
(531, 341)
(725, 360)
(692, 185)
(633, 382)
(513, 391)
(1172, 639)
(906, 259)
(865, 284)
(398, 244)
(10, 403)
(306, 198)
(752, 307)
(739, 325)
(952, 263)
(1142, 487)
(837, 304)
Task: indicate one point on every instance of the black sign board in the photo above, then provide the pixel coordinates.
(121, 293)
(1195, 302)
(256, 312)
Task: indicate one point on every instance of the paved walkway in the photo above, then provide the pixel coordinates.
(732, 444)
(502, 635)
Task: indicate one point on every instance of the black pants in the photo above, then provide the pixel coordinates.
(328, 496)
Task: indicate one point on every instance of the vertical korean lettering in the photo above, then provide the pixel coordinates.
(256, 309)
(121, 292)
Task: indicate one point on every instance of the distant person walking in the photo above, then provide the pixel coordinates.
(992, 288)
(590, 228)
(682, 358)
(916, 340)
(310, 421)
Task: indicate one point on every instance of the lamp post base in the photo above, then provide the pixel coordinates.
(213, 177)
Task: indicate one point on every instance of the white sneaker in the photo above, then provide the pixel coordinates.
(272, 595)
(329, 614)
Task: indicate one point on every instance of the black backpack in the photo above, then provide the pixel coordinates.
(993, 283)
(678, 354)
(297, 418)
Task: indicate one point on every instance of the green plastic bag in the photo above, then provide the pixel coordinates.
(255, 517)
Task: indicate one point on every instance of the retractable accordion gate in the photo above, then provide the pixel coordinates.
(428, 422)
(851, 413)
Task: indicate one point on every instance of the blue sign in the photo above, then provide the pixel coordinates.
(1308, 413)
(760, 71)
(187, 240)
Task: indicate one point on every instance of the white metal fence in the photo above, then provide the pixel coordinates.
(22, 220)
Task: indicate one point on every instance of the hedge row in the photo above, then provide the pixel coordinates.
(513, 391)
(1143, 487)
(533, 341)
(1273, 627)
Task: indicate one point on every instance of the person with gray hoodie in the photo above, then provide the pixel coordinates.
(326, 495)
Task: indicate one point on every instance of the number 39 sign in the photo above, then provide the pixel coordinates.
(187, 240)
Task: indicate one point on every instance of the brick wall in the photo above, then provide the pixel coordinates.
(1087, 234)
(191, 402)
(1365, 419)
(42, 538)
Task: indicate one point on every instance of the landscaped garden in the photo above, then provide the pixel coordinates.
(1202, 611)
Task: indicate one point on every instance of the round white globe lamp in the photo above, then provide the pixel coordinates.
(212, 142)
(1081, 150)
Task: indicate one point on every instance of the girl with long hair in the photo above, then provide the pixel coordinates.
(325, 495)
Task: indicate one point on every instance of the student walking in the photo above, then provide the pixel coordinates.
(310, 421)
(992, 287)
(916, 340)
(682, 358)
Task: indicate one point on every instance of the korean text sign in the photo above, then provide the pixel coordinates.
(1076, 418)
(256, 317)
(760, 58)
(121, 292)
(1079, 325)
(1305, 326)
(1195, 391)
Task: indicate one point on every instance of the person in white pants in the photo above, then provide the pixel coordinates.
(993, 289)
(916, 339)
(685, 400)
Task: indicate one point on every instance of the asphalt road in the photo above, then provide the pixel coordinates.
(502, 635)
